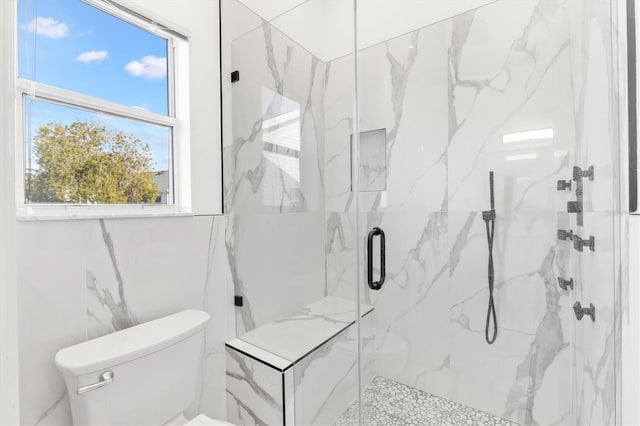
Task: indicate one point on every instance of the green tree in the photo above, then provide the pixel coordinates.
(84, 162)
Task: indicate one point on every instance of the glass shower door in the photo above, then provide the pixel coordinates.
(478, 126)
(294, 358)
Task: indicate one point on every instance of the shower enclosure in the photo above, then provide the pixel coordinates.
(359, 138)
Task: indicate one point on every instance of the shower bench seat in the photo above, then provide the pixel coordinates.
(300, 369)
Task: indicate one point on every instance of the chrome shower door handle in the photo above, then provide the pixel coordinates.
(104, 379)
(376, 285)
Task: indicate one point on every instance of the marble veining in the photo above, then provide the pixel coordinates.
(43, 417)
(325, 381)
(246, 374)
(544, 349)
(294, 336)
(254, 391)
(94, 268)
(497, 76)
(244, 316)
(120, 312)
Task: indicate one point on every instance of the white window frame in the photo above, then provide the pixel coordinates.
(177, 120)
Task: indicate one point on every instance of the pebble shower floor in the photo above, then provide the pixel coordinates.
(389, 403)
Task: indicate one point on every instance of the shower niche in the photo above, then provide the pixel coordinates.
(373, 160)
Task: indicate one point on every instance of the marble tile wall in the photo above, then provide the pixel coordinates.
(314, 369)
(83, 279)
(518, 84)
(447, 95)
(596, 102)
(325, 382)
(257, 393)
(274, 176)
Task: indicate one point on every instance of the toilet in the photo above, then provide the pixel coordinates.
(143, 375)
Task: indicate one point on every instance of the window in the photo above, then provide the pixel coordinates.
(282, 149)
(103, 100)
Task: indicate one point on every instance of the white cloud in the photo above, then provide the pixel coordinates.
(150, 67)
(93, 56)
(47, 27)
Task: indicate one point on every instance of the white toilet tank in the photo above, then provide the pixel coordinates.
(144, 375)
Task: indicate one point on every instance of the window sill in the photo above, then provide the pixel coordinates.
(45, 213)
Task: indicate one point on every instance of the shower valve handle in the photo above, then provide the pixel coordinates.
(563, 185)
(580, 311)
(578, 173)
(565, 235)
(579, 243)
(574, 207)
(564, 284)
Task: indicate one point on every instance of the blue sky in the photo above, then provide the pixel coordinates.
(69, 44)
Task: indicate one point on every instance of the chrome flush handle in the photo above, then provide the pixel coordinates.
(103, 380)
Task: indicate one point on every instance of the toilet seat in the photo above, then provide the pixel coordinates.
(202, 420)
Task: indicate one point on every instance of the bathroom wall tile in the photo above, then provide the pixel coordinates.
(532, 314)
(278, 125)
(254, 391)
(326, 380)
(218, 303)
(340, 252)
(143, 270)
(502, 89)
(182, 264)
(503, 79)
(275, 166)
(277, 262)
(407, 97)
(338, 102)
(595, 341)
(594, 76)
(52, 311)
(71, 273)
(491, 93)
(412, 314)
(596, 104)
(373, 160)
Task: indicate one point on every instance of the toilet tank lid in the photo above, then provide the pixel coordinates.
(131, 343)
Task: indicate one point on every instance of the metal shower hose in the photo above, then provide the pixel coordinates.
(490, 221)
